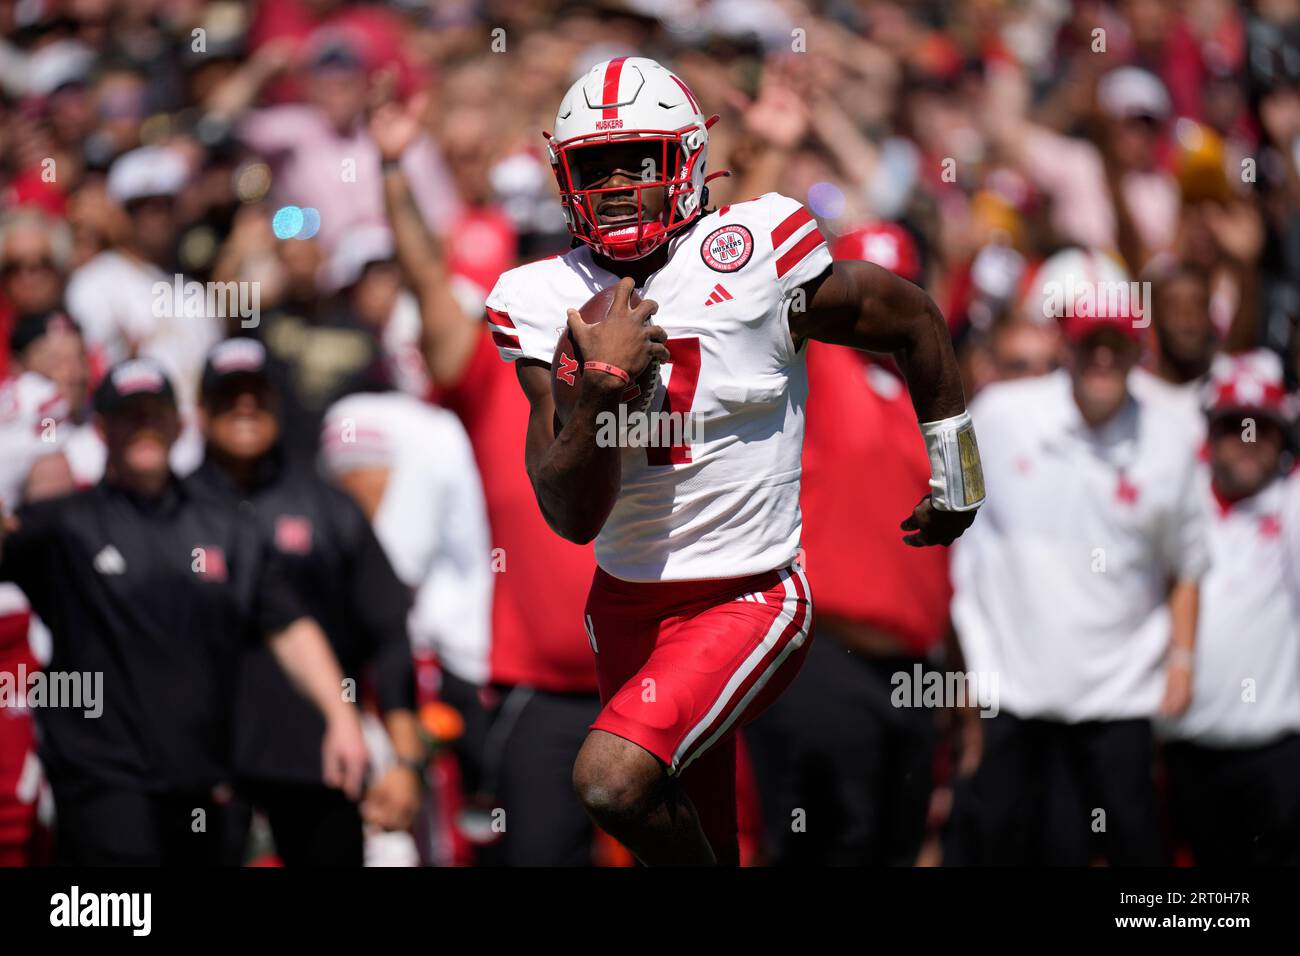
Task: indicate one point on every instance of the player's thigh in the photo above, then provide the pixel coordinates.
(713, 672)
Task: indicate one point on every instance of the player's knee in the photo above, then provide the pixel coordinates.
(612, 790)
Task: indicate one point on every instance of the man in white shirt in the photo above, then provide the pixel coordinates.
(410, 467)
(1234, 759)
(1078, 590)
(128, 299)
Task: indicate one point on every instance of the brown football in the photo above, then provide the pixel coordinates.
(566, 364)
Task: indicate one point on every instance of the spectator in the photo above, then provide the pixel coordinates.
(130, 300)
(50, 345)
(32, 467)
(35, 257)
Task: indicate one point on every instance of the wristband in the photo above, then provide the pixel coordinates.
(956, 476)
(390, 166)
(1179, 657)
(610, 369)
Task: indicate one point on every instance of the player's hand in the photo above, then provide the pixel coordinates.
(393, 800)
(394, 126)
(343, 754)
(1178, 689)
(929, 526)
(626, 339)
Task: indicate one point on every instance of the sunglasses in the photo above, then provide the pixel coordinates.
(11, 266)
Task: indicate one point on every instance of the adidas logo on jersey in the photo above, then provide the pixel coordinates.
(719, 295)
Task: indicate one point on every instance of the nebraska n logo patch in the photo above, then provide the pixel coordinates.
(727, 248)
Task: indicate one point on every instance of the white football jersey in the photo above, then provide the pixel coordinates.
(711, 488)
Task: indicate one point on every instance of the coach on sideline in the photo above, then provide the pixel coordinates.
(1234, 756)
(150, 595)
(1078, 590)
(326, 544)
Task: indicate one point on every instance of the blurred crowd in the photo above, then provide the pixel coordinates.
(175, 173)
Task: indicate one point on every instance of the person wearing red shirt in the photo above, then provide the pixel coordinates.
(541, 695)
(835, 746)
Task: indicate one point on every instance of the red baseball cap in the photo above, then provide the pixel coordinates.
(887, 244)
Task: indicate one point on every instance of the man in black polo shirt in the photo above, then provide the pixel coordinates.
(151, 595)
(348, 585)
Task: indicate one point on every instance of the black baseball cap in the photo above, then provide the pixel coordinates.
(35, 325)
(231, 359)
(132, 379)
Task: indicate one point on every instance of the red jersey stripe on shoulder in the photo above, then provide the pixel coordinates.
(497, 317)
(798, 252)
(503, 341)
(609, 95)
(790, 225)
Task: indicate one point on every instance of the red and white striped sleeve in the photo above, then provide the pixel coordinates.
(799, 251)
(505, 334)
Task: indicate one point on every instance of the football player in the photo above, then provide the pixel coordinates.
(699, 613)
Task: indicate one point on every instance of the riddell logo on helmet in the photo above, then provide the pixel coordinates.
(609, 124)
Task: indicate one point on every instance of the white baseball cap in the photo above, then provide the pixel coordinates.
(1130, 91)
(58, 64)
(357, 248)
(147, 171)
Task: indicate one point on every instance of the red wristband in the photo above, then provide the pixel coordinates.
(611, 369)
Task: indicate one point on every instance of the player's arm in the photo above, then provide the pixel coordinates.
(863, 306)
(448, 336)
(575, 479)
(304, 654)
(1184, 605)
